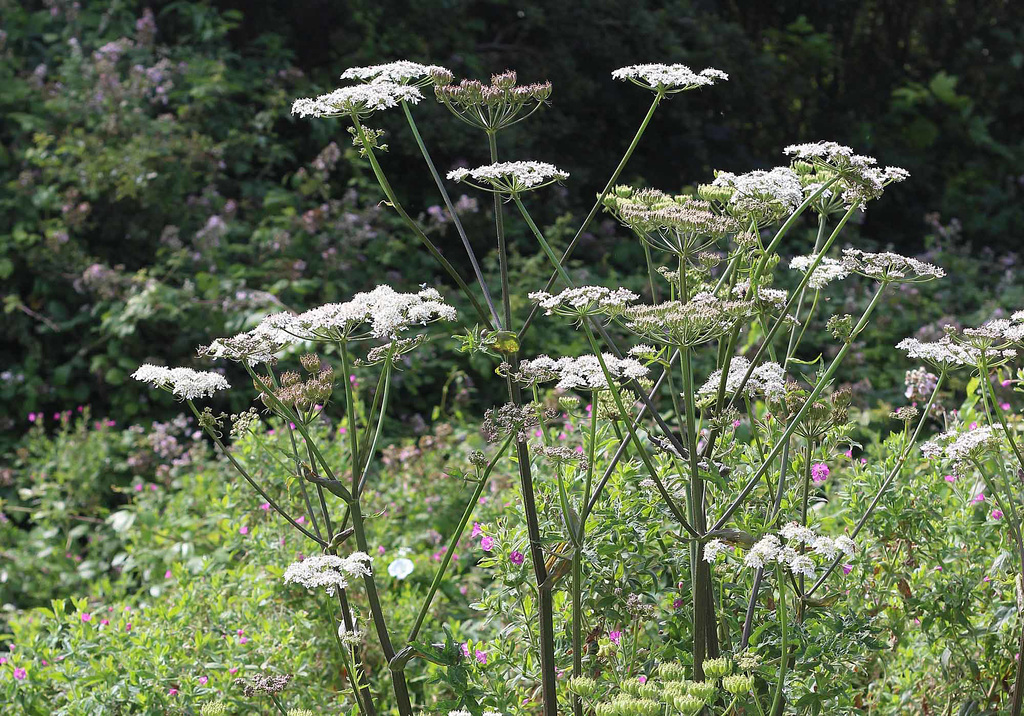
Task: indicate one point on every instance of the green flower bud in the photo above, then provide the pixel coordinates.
(688, 705)
(583, 687)
(706, 691)
(672, 671)
(738, 684)
(717, 668)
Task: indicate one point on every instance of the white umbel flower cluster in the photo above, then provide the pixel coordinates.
(1000, 329)
(889, 266)
(185, 383)
(767, 380)
(510, 177)
(762, 194)
(962, 448)
(945, 353)
(770, 549)
(669, 78)
(825, 272)
(328, 571)
(399, 72)
(861, 179)
(382, 313)
(384, 310)
(584, 301)
(360, 100)
(583, 372)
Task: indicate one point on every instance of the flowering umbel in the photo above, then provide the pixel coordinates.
(669, 79)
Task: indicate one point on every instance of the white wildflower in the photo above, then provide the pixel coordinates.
(584, 372)
(795, 532)
(764, 550)
(889, 266)
(803, 565)
(328, 570)
(763, 194)
(962, 448)
(825, 272)
(714, 548)
(643, 351)
(360, 100)
(846, 545)
(584, 300)
(401, 568)
(185, 383)
(826, 547)
(399, 72)
(669, 78)
(703, 318)
(260, 345)
(510, 177)
(942, 353)
(384, 311)
(767, 379)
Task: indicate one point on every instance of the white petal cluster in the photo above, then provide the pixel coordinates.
(671, 78)
(1001, 329)
(385, 311)
(328, 571)
(770, 549)
(767, 379)
(584, 300)
(185, 383)
(702, 318)
(825, 272)
(861, 179)
(946, 353)
(357, 99)
(763, 193)
(713, 548)
(260, 345)
(583, 372)
(961, 448)
(511, 176)
(889, 266)
(398, 72)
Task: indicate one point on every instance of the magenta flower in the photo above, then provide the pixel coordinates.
(104, 622)
(86, 617)
(950, 478)
(203, 680)
(486, 543)
(128, 627)
(1004, 406)
(233, 670)
(465, 648)
(819, 472)
(516, 558)
(615, 636)
(642, 679)
(172, 692)
(167, 574)
(979, 498)
(20, 673)
(678, 603)
(477, 530)
(243, 640)
(481, 656)
(243, 530)
(847, 568)
(265, 506)
(997, 514)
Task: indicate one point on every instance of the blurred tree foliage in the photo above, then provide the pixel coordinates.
(157, 192)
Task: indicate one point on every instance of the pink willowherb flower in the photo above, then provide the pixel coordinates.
(487, 543)
(481, 656)
(516, 558)
(243, 530)
(819, 472)
(979, 498)
(950, 478)
(203, 680)
(615, 636)
(477, 530)
(847, 568)
(265, 506)
(86, 617)
(997, 514)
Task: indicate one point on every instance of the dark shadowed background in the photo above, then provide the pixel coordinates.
(157, 192)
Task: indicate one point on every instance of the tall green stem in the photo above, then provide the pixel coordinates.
(597, 204)
(466, 514)
(455, 217)
(413, 226)
(780, 576)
